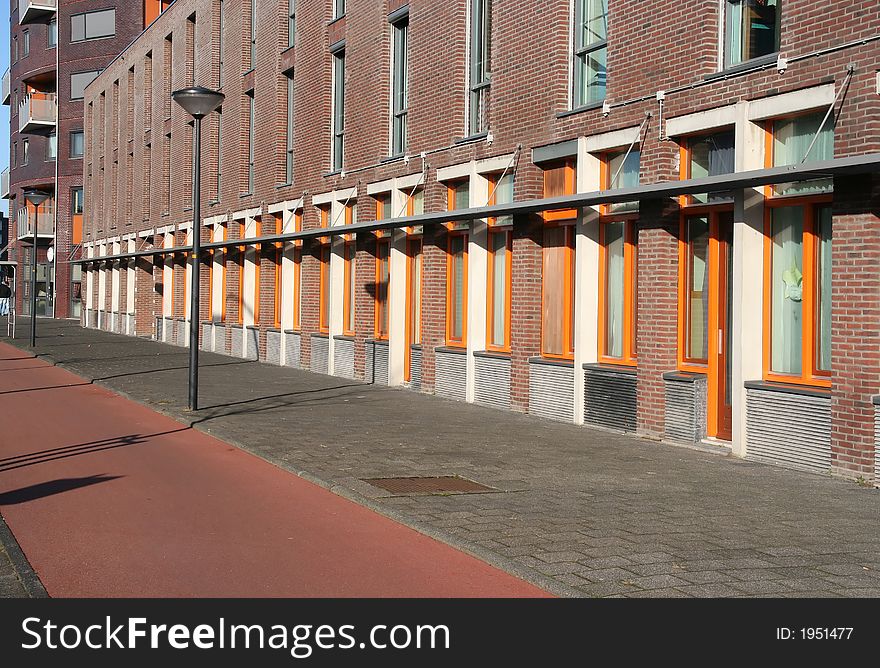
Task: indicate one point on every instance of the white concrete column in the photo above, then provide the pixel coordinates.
(586, 273)
(218, 268)
(102, 285)
(748, 275)
(397, 291)
(114, 280)
(478, 241)
(131, 280)
(167, 279)
(336, 292)
(90, 280)
(187, 288)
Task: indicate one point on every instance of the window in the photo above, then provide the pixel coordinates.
(25, 43)
(79, 81)
(219, 152)
(25, 150)
(242, 231)
(221, 52)
(751, 30)
(707, 155)
(77, 144)
(399, 77)
(15, 48)
(52, 146)
(383, 251)
(621, 170)
(456, 289)
(797, 139)
(694, 288)
(617, 291)
(288, 152)
(499, 274)
(297, 273)
(338, 8)
(797, 300)
(250, 143)
(414, 291)
(52, 33)
(458, 195)
(480, 65)
(291, 23)
(324, 314)
(338, 118)
(76, 201)
(93, 25)
(253, 38)
(349, 275)
(590, 52)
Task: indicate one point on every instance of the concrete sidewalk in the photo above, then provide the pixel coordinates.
(577, 510)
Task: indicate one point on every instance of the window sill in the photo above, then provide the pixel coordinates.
(320, 335)
(684, 376)
(492, 354)
(335, 172)
(276, 330)
(292, 331)
(579, 110)
(612, 368)
(471, 138)
(451, 349)
(279, 186)
(788, 388)
(246, 72)
(380, 342)
(214, 202)
(552, 361)
(343, 337)
(761, 62)
(335, 19)
(243, 195)
(391, 158)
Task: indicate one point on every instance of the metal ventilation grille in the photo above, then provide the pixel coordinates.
(448, 484)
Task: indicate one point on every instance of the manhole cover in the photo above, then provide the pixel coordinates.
(447, 484)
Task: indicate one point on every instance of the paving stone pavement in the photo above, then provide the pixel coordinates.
(17, 578)
(577, 510)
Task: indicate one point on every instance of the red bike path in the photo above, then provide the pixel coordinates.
(109, 498)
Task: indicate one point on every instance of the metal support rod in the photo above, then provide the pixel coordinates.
(34, 278)
(843, 87)
(195, 259)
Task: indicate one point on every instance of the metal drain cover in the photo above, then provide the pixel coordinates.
(447, 484)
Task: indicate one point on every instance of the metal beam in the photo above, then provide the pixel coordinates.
(859, 164)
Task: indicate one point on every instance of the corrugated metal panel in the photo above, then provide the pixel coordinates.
(170, 331)
(132, 325)
(292, 349)
(415, 369)
(551, 391)
(252, 343)
(320, 354)
(208, 336)
(376, 365)
(492, 381)
(610, 398)
(789, 429)
(273, 347)
(685, 417)
(876, 445)
(158, 333)
(343, 358)
(235, 341)
(451, 375)
(220, 339)
(182, 338)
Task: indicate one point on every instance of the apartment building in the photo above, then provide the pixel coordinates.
(56, 50)
(701, 266)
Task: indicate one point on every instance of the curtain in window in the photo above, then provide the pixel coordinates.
(553, 306)
(626, 177)
(786, 290)
(823, 273)
(457, 245)
(498, 248)
(614, 288)
(503, 195)
(697, 296)
(792, 138)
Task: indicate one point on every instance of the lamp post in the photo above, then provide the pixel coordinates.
(198, 102)
(35, 197)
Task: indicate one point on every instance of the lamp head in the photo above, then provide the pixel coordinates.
(198, 101)
(36, 197)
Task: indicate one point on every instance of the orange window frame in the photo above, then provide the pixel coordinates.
(568, 298)
(279, 258)
(413, 325)
(383, 209)
(630, 293)
(258, 255)
(297, 287)
(490, 291)
(348, 316)
(451, 340)
(223, 276)
(569, 176)
(380, 301)
(324, 289)
(810, 374)
(241, 250)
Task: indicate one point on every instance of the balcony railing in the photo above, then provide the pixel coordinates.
(28, 10)
(37, 111)
(45, 220)
(4, 183)
(5, 99)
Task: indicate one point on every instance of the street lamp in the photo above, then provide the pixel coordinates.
(35, 197)
(198, 102)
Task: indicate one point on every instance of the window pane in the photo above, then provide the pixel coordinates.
(52, 147)
(78, 83)
(52, 38)
(697, 286)
(614, 287)
(77, 27)
(418, 202)
(457, 245)
(349, 285)
(325, 287)
(416, 292)
(462, 195)
(792, 139)
(382, 249)
(751, 29)
(553, 306)
(712, 155)
(503, 194)
(786, 289)
(591, 77)
(594, 21)
(823, 297)
(498, 248)
(623, 172)
(101, 24)
(76, 144)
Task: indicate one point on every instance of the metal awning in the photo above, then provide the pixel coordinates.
(860, 164)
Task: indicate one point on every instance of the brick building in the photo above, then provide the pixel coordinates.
(697, 303)
(56, 49)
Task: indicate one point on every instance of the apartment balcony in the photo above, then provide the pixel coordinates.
(45, 221)
(5, 99)
(37, 112)
(28, 10)
(4, 184)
